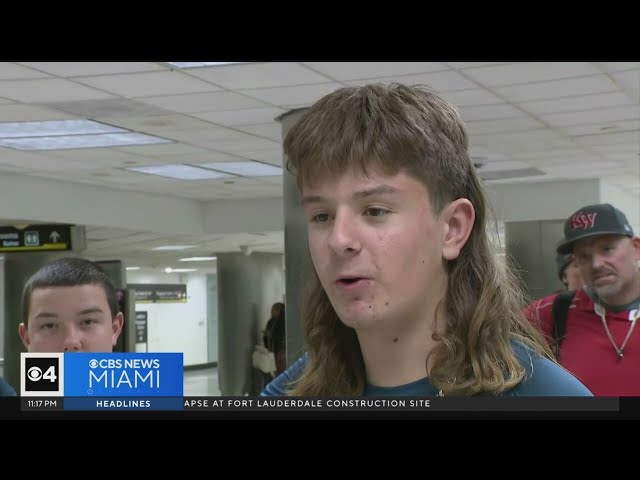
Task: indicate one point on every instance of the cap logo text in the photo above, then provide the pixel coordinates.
(583, 220)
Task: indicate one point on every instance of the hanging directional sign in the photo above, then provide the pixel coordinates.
(159, 293)
(35, 238)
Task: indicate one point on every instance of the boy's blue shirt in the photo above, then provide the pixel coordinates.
(543, 378)
(6, 390)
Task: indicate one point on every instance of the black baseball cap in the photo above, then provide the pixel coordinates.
(600, 219)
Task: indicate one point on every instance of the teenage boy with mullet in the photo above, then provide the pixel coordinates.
(406, 297)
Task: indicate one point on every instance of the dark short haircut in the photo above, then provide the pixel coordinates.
(69, 272)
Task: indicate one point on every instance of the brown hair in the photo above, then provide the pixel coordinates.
(389, 129)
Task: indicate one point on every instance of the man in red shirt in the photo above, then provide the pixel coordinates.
(601, 344)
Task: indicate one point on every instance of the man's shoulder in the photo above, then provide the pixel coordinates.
(544, 303)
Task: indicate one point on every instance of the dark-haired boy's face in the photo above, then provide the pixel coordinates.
(70, 319)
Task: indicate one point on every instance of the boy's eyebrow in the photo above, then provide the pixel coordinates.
(46, 315)
(307, 199)
(86, 311)
(368, 192)
(379, 190)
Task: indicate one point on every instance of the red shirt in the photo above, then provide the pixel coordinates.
(586, 350)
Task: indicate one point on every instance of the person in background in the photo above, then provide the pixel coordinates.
(70, 305)
(406, 296)
(599, 342)
(275, 336)
(568, 271)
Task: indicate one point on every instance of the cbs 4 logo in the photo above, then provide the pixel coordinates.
(35, 374)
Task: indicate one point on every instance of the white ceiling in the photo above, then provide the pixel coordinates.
(568, 120)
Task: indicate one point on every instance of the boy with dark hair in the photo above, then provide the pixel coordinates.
(70, 305)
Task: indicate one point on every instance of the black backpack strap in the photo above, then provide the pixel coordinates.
(559, 313)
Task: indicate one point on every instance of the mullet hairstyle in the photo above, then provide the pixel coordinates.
(389, 129)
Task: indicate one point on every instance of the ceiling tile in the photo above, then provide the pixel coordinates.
(532, 136)
(148, 84)
(91, 155)
(616, 149)
(12, 71)
(577, 103)
(599, 116)
(504, 125)
(202, 102)
(618, 66)
(269, 130)
(557, 88)
(259, 75)
(629, 80)
(246, 116)
(48, 90)
(596, 129)
(473, 64)
(209, 134)
(209, 157)
(72, 69)
(172, 149)
(155, 123)
(305, 94)
(30, 113)
(517, 73)
(272, 156)
(632, 138)
(473, 97)
(489, 112)
(107, 108)
(239, 145)
(359, 70)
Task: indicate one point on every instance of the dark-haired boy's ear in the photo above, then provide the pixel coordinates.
(24, 335)
(458, 219)
(116, 326)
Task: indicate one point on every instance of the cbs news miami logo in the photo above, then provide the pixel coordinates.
(86, 374)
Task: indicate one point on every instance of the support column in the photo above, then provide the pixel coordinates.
(298, 266)
(248, 284)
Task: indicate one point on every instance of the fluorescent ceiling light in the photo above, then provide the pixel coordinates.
(172, 247)
(197, 259)
(133, 268)
(179, 270)
(247, 169)
(200, 64)
(181, 172)
(54, 128)
(81, 141)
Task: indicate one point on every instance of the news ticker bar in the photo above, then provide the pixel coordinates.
(280, 404)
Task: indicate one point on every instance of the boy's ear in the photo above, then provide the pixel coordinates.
(116, 326)
(24, 335)
(458, 220)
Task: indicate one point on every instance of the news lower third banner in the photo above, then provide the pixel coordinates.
(102, 381)
(297, 404)
(154, 381)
